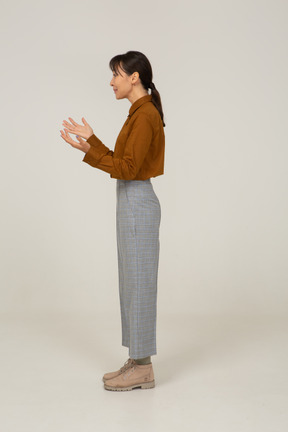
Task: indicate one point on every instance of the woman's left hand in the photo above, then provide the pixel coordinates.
(83, 131)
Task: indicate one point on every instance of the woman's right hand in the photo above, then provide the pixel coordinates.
(81, 145)
(83, 131)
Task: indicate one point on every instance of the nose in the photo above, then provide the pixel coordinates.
(111, 82)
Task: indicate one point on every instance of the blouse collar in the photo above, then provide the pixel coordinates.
(139, 102)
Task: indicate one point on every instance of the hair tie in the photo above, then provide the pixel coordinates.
(152, 86)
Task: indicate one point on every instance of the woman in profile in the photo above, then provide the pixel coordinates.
(138, 155)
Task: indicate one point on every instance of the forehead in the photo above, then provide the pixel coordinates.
(118, 70)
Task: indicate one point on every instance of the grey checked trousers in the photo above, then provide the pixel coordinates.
(138, 217)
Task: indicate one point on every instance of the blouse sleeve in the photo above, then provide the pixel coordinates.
(135, 150)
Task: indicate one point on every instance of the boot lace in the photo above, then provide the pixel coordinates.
(129, 363)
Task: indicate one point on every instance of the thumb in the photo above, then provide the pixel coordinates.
(84, 121)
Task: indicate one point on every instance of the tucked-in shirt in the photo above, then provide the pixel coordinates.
(139, 150)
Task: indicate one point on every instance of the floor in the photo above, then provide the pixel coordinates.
(216, 373)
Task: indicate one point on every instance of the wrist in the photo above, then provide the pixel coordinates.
(90, 135)
(86, 147)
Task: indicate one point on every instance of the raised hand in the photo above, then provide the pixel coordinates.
(81, 145)
(83, 131)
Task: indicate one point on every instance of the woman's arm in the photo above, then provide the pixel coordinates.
(135, 146)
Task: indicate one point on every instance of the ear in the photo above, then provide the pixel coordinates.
(135, 77)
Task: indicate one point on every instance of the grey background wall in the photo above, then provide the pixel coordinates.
(221, 69)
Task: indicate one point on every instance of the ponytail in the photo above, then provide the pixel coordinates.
(156, 99)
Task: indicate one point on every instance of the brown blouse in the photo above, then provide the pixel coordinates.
(139, 149)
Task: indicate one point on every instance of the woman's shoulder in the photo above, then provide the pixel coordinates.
(149, 111)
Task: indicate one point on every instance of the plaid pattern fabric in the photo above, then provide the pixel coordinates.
(138, 217)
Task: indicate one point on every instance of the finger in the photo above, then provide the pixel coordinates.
(71, 131)
(68, 125)
(73, 122)
(66, 137)
(70, 140)
(75, 131)
(63, 135)
(80, 139)
(74, 143)
(84, 121)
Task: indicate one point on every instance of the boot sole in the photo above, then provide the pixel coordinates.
(146, 385)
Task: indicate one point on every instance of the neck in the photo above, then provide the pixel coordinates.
(137, 94)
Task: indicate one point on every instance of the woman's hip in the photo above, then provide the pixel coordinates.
(137, 199)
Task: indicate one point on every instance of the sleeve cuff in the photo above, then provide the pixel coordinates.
(94, 141)
(93, 156)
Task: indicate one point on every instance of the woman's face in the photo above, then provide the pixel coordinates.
(122, 84)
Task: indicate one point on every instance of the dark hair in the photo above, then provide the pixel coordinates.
(135, 61)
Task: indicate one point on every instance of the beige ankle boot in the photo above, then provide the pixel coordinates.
(134, 376)
(111, 375)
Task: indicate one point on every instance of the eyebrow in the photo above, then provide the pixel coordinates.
(117, 72)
